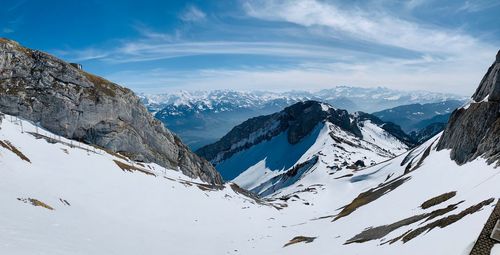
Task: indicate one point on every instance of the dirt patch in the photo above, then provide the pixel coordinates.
(131, 168)
(438, 199)
(300, 239)
(7, 145)
(381, 231)
(371, 195)
(35, 202)
(446, 221)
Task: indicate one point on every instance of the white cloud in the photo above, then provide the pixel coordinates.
(361, 24)
(192, 14)
(418, 74)
(394, 52)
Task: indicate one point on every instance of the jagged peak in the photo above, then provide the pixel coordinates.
(489, 88)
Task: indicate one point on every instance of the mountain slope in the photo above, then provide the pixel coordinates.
(84, 107)
(60, 196)
(267, 147)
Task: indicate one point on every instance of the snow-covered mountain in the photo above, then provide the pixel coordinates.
(60, 196)
(267, 153)
(190, 114)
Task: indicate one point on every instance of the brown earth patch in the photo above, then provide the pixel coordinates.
(438, 199)
(300, 239)
(131, 168)
(381, 231)
(371, 195)
(7, 145)
(35, 202)
(446, 221)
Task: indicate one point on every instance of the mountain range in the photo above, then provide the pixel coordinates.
(86, 169)
(202, 117)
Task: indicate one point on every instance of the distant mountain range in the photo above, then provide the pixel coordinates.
(202, 117)
(413, 117)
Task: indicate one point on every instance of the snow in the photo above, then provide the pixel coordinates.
(117, 212)
(495, 250)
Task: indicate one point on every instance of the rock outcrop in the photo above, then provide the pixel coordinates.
(78, 105)
(474, 131)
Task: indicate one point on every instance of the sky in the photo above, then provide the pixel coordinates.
(161, 46)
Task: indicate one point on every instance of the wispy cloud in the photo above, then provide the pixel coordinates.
(478, 5)
(361, 24)
(192, 14)
(326, 44)
(417, 74)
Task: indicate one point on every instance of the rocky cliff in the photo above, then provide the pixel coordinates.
(474, 130)
(72, 103)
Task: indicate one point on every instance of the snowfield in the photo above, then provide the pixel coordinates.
(61, 197)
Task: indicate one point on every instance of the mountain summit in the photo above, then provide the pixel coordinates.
(81, 106)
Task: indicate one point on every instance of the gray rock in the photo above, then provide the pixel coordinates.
(490, 84)
(81, 106)
(475, 131)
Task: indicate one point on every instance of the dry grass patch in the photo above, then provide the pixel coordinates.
(35, 202)
(7, 145)
(446, 221)
(131, 168)
(370, 196)
(300, 239)
(373, 233)
(438, 199)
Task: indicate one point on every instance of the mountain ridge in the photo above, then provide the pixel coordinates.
(296, 129)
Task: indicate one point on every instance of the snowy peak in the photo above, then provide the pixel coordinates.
(267, 153)
(298, 120)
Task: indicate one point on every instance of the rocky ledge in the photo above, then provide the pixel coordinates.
(78, 105)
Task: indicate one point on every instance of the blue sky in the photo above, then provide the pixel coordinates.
(157, 46)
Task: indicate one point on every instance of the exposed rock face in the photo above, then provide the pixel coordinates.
(490, 84)
(298, 121)
(78, 105)
(475, 130)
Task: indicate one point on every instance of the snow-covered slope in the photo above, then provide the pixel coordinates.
(62, 197)
(271, 152)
